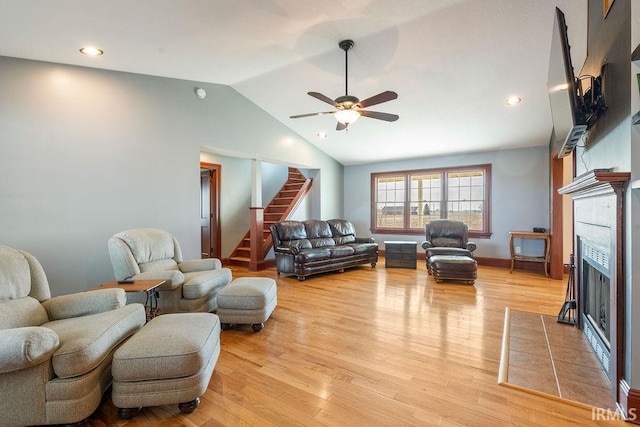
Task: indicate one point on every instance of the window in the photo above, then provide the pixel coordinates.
(403, 202)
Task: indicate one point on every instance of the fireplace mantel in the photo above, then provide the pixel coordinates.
(594, 182)
(598, 210)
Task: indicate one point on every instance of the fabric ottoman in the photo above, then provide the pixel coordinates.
(247, 301)
(170, 360)
(454, 267)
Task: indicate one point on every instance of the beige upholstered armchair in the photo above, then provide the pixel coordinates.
(149, 253)
(447, 237)
(55, 353)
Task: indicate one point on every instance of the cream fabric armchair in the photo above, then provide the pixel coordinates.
(55, 353)
(149, 253)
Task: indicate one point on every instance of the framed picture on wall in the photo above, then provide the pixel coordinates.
(606, 6)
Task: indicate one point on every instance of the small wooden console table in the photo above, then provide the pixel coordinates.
(148, 286)
(530, 235)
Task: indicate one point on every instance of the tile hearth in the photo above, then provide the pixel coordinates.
(553, 358)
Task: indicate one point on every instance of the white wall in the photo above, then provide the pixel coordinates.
(519, 194)
(85, 153)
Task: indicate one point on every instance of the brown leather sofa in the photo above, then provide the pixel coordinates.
(447, 237)
(309, 247)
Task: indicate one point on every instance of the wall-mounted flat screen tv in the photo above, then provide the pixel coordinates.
(569, 121)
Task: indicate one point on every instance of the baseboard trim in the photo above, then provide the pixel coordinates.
(421, 256)
(261, 265)
(506, 263)
(267, 263)
(491, 262)
(629, 402)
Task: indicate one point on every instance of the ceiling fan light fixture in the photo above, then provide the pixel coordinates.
(349, 108)
(346, 117)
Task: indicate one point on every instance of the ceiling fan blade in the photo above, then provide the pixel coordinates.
(380, 116)
(310, 114)
(323, 98)
(377, 99)
(341, 126)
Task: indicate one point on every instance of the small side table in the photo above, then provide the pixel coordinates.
(530, 235)
(147, 286)
(400, 254)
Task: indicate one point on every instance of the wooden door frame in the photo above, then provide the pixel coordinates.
(217, 170)
(557, 263)
(556, 172)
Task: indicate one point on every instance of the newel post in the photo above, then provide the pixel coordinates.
(256, 233)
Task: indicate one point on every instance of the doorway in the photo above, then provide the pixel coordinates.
(210, 177)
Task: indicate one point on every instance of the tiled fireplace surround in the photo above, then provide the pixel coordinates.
(598, 242)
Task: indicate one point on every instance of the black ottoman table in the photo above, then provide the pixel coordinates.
(453, 267)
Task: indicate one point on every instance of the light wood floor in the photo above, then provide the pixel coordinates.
(367, 347)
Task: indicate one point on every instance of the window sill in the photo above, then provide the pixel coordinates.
(420, 232)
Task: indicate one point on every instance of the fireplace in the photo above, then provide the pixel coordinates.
(595, 286)
(599, 277)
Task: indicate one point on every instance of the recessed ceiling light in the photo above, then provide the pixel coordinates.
(91, 51)
(513, 100)
(321, 135)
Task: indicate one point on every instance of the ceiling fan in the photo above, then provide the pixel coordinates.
(348, 108)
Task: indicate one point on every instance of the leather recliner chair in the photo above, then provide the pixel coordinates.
(447, 237)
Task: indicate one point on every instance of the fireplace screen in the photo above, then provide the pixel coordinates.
(596, 299)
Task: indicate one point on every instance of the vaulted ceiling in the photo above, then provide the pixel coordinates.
(453, 63)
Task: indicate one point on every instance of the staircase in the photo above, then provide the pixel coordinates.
(279, 209)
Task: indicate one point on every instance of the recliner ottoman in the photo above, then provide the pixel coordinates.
(247, 301)
(169, 361)
(454, 267)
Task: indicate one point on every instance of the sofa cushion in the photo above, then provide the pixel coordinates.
(319, 233)
(297, 244)
(364, 248)
(343, 240)
(317, 229)
(315, 254)
(341, 251)
(86, 341)
(322, 242)
(342, 230)
(290, 230)
(200, 283)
